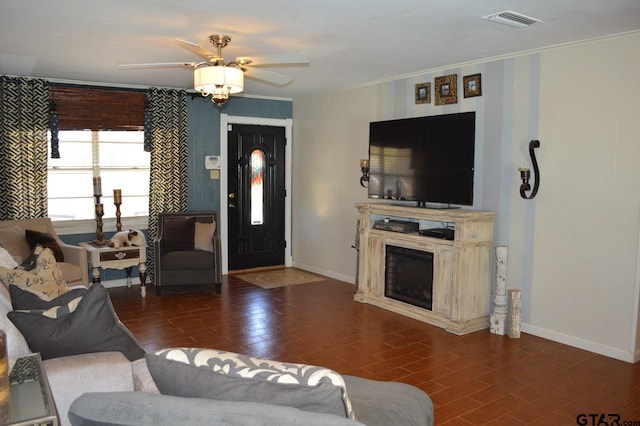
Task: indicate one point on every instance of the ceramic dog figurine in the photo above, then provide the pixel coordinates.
(127, 239)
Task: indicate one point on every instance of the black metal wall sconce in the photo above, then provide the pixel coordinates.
(364, 167)
(525, 174)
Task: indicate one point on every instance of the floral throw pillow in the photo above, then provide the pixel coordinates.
(45, 280)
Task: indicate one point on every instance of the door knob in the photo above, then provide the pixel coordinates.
(232, 195)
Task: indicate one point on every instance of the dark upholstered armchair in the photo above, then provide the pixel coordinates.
(187, 250)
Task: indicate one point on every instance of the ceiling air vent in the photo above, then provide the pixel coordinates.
(514, 19)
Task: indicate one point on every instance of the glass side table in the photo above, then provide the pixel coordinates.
(29, 392)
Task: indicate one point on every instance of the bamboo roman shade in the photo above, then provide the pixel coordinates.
(89, 108)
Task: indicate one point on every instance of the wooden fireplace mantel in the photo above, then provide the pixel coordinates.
(461, 267)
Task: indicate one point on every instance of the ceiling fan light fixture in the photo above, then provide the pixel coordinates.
(219, 81)
(213, 76)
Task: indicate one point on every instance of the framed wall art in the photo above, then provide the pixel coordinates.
(423, 93)
(472, 85)
(446, 88)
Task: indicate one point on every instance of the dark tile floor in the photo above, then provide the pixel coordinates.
(475, 379)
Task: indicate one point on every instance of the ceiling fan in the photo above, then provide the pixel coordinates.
(219, 79)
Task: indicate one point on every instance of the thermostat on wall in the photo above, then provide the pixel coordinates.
(212, 162)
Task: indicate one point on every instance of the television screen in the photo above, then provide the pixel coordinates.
(425, 159)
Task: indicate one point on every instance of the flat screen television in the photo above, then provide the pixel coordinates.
(425, 159)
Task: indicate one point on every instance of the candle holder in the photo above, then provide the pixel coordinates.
(99, 209)
(525, 174)
(117, 200)
(364, 167)
(99, 233)
(118, 223)
(97, 188)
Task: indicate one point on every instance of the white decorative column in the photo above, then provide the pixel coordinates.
(499, 314)
(513, 321)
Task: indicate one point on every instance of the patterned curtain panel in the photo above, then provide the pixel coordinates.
(24, 116)
(167, 136)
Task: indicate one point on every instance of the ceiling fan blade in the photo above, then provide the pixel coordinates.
(294, 58)
(158, 65)
(206, 54)
(268, 76)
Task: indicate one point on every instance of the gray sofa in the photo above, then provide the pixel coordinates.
(71, 376)
(374, 403)
(105, 388)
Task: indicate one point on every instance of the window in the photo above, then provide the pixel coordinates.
(117, 157)
(257, 187)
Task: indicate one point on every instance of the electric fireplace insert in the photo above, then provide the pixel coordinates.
(409, 276)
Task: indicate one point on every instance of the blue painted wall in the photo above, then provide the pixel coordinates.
(204, 139)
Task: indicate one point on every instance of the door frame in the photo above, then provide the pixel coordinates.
(225, 120)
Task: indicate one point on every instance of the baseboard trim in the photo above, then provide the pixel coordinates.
(584, 344)
(326, 273)
(120, 283)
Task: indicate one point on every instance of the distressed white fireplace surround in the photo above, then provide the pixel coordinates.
(461, 268)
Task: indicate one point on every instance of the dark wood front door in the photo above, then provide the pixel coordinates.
(256, 198)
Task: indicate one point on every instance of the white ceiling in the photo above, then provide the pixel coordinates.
(349, 42)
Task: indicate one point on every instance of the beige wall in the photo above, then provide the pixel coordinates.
(586, 246)
(329, 143)
(573, 250)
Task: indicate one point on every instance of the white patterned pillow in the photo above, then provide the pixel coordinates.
(45, 280)
(221, 375)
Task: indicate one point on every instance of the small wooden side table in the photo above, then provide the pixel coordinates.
(105, 257)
